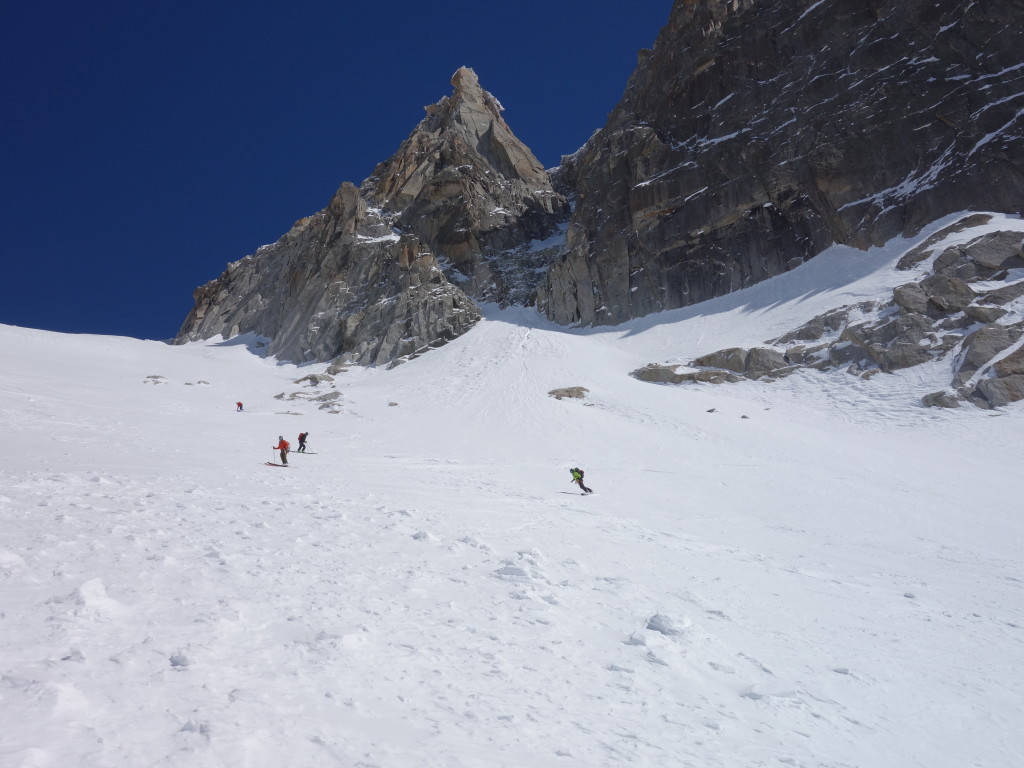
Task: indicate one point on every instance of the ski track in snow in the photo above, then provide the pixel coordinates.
(833, 581)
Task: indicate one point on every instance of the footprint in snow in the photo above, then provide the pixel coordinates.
(9, 561)
(512, 572)
(470, 541)
(524, 567)
(90, 599)
(202, 728)
(653, 658)
(667, 625)
(180, 660)
(757, 692)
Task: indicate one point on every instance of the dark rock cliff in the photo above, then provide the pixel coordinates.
(757, 133)
(340, 283)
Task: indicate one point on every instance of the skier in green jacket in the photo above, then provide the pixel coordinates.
(577, 477)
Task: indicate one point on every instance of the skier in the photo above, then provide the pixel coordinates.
(282, 446)
(302, 441)
(238, 406)
(577, 477)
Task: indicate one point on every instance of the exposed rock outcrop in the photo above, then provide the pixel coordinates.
(938, 316)
(387, 271)
(475, 194)
(577, 393)
(670, 374)
(941, 399)
(757, 133)
(340, 283)
(752, 363)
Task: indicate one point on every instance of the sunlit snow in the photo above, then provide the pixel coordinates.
(811, 572)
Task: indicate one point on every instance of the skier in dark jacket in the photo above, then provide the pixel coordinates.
(302, 441)
(577, 477)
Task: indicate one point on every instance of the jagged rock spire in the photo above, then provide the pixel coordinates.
(463, 183)
(366, 279)
(464, 126)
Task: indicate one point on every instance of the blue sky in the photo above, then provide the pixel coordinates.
(144, 145)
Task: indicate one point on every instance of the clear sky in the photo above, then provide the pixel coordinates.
(144, 145)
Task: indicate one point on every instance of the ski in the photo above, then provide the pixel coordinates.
(271, 464)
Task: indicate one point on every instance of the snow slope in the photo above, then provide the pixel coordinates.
(834, 580)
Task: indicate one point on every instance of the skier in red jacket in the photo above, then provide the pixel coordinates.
(282, 446)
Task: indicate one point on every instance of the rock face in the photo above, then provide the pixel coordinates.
(340, 283)
(387, 271)
(670, 374)
(967, 308)
(475, 194)
(757, 133)
(577, 393)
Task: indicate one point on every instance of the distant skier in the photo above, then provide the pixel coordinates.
(238, 406)
(302, 441)
(577, 477)
(282, 446)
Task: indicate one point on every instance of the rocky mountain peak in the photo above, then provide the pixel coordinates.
(752, 136)
(390, 269)
(468, 187)
(465, 126)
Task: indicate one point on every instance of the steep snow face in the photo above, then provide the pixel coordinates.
(812, 572)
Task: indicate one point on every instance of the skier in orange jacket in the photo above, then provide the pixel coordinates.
(282, 446)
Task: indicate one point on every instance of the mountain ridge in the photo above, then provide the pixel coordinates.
(389, 270)
(751, 136)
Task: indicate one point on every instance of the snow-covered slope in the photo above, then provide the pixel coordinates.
(813, 572)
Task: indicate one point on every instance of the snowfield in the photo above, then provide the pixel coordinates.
(811, 572)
